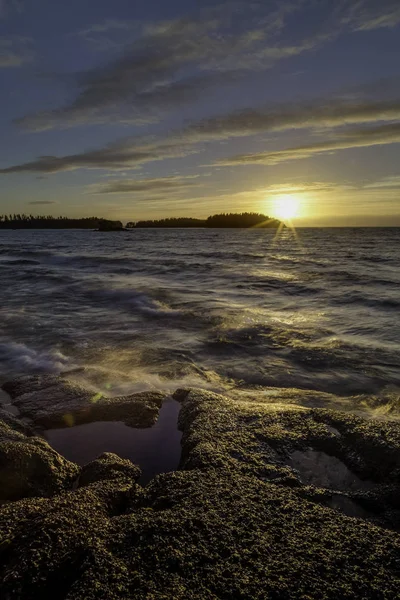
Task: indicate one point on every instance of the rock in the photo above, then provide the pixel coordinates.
(194, 534)
(235, 522)
(12, 428)
(55, 401)
(29, 384)
(30, 467)
(108, 466)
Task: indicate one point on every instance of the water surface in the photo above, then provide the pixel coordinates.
(223, 309)
(156, 449)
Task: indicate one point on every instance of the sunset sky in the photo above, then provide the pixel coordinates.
(155, 109)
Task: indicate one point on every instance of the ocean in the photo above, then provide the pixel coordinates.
(308, 316)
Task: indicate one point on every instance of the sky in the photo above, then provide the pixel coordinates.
(152, 109)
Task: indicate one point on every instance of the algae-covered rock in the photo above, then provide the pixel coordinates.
(30, 467)
(194, 534)
(51, 401)
(108, 466)
(236, 522)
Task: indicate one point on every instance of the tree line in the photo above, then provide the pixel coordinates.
(223, 220)
(22, 221)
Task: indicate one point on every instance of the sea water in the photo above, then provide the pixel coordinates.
(313, 313)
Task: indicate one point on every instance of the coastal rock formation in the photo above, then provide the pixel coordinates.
(348, 457)
(30, 467)
(238, 520)
(51, 401)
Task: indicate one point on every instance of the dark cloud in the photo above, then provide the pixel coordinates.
(164, 185)
(120, 155)
(42, 202)
(132, 153)
(356, 138)
(317, 115)
(151, 73)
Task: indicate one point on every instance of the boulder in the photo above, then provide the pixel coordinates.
(30, 467)
(108, 466)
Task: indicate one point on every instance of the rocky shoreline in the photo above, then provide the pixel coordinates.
(270, 501)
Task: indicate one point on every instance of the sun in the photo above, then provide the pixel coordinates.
(286, 206)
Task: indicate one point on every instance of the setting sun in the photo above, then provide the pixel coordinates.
(286, 206)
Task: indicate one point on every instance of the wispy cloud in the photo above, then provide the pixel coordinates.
(9, 6)
(132, 153)
(392, 182)
(120, 155)
(162, 185)
(306, 188)
(151, 73)
(42, 202)
(365, 15)
(15, 51)
(319, 114)
(356, 138)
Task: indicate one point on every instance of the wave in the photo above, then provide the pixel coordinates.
(359, 298)
(19, 261)
(369, 279)
(19, 358)
(132, 300)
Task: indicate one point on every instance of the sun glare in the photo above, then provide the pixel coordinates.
(286, 206)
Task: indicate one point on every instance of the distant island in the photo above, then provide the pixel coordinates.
(224, 220)
(18, 221)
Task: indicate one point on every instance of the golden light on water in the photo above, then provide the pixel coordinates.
(286, 206)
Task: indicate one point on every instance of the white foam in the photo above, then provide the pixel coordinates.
(19, 358)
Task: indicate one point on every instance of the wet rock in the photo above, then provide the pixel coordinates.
(195, 534)
(320, 469)
(12, 428)
(51, 401)
(28, 384)
(30, 467)
(235, 523)
(108, 466)
(296, 447)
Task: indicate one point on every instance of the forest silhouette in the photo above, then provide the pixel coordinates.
(223, 220)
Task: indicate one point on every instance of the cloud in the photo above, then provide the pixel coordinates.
(41, 202)
(15, 51)
(387, 182)
(151, 74)
(356, 138)
(132, 153)
(306, 188)
(120, 155)
(8, 6)
(105, 26)
(316, 115)
(366, 15)
(110, 34)
(164, 185)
